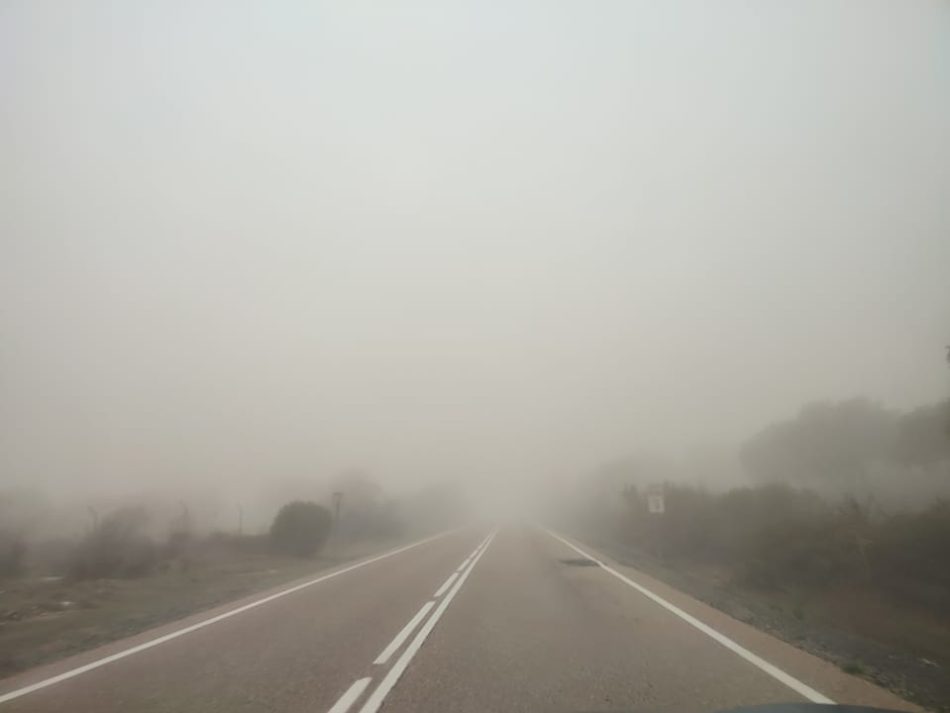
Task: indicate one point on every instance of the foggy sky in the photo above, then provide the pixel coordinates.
(242, 241)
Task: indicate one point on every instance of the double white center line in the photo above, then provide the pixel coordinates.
(401, 637)
(452, 585)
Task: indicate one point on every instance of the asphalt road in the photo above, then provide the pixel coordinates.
(474, 620)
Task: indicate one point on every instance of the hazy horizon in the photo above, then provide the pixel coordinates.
(492, 243)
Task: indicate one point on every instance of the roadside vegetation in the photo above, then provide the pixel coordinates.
(128, 572)
(301, 528)
(840, 522)
(775, 537)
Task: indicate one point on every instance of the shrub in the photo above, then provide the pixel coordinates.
(684, 529)
(12, 554)
(771, 536)
(908, 556)
(301, 528)
(777, 537)
(117, 547)
(51, 556)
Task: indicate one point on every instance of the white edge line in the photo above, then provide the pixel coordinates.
(394, 645)
(377, 697)
(772, 670)
(72, 673)
(350, 695)
(445, 585)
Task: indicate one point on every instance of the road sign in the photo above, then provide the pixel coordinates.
(655, 503)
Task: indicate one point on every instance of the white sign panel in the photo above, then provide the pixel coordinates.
(655, 503)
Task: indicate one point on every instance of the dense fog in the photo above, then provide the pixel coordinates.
(467, 257)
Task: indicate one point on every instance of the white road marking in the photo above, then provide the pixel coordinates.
(445, 585)
(350, 695)
(757, 661)
(377, 697)
(72, 673)
(404, 634)
(401, 637)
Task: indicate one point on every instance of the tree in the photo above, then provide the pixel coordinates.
(301, 528)
(827, 444)
(922, 437)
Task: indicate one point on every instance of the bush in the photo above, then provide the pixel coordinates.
(51, 556)
(117, 547)
(12, 554)
(301, 528)
(777, 537)
(908, 556)
(727, 528)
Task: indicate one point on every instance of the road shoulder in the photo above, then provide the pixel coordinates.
(814, 671)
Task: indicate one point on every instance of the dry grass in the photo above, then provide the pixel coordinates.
(874, 616)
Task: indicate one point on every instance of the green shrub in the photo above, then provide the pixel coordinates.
(301, 528)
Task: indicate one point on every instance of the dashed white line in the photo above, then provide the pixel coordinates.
(401, 637)
(72, 673)
(350, 696)
(391, 678)
(445, 585)
(757, 661)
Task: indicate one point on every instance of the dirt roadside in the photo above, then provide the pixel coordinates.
(48, 618)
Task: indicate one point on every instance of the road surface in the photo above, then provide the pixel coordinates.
(473, 620)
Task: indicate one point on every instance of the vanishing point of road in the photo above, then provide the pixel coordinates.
(474, 620)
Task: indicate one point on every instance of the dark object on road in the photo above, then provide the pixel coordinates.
(580, 562)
